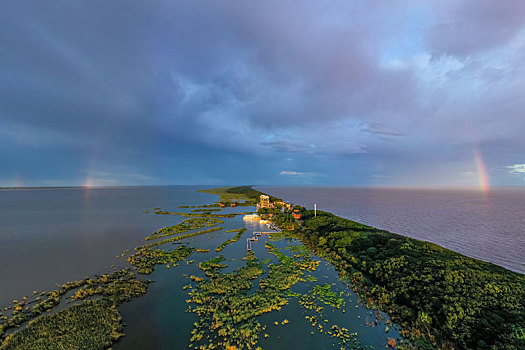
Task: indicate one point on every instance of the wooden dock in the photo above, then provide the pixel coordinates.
(256, 236)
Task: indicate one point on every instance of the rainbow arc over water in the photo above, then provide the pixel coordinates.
(483, 177)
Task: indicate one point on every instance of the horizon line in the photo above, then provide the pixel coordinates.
(259, 185)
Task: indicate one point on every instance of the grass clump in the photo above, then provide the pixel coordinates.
(215, 205)
(327, 296)
(186, 225)
(189, 215)
(235, 238)
(204, 210)
(178, 238)
(119, 287)
(146, 259)
(229, 303)
(90, 325)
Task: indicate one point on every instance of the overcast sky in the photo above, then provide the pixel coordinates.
(353, 92)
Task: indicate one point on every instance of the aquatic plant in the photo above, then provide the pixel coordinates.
(204, 210)
(232, 240)
(116, 288)
(146, 259)
(205, 215)
(90, 325)
(200, 206)
(228, 305)
(186, 225)
(178, 238)
(327, 296)
(119, 287)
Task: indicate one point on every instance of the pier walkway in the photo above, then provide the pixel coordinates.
(256, 236)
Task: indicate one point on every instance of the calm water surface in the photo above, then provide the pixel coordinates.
(50, 236)
(486, 225)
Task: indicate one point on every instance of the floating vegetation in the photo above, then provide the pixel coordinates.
(178, 238)
(199, 206)
(323, 294)
(226, 311)
(186, 225)
(119, 287)
(213, 264)
(227, 304)
(232, 215)
(22, 314)
(146, 259)
(114, 289)
(234, 239)
(204, 210)
(289, 271)
(341, 333)
(90, 325)
(202, 250)
(327, 296)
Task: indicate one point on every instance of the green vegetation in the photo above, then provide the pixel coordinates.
(327, 296)
(199, 206)
(234, 239)
(227, 309)
(23, 312)
(90, 325)
(440, 297)
(285, 219)
(224, 308)
(205, 210)
(146, 259)
(119, 287)
(237, 193)
(213, 264)
(205, 215)
(178, 238)
(186, 225)
(69, 327)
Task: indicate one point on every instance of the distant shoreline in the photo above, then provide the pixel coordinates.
(81, 187)
(474, 188)
(39, 187)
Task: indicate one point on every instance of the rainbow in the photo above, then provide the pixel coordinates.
(483, 177)
(88, 182)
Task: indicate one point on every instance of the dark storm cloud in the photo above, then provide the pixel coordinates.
(192, 92)
(376, 128)
(467, 27)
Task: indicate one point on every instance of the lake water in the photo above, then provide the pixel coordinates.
(486, 225)
(50, 236)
